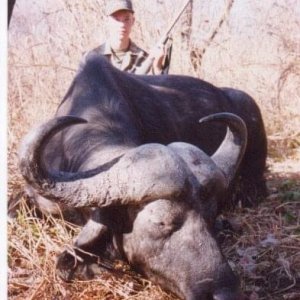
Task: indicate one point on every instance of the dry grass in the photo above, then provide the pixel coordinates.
(33, 246)
(46, 41)
(266, 252)
(264, 249)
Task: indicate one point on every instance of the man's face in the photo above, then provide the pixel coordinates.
(120, 24)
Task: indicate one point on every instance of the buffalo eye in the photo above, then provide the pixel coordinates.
(161, 218)
(168, 226)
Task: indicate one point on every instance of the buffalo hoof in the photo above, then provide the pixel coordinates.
(71, 266)
(66, 266)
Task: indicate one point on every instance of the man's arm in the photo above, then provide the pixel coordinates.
(157, 61)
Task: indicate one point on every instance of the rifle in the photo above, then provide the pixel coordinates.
(147, 64)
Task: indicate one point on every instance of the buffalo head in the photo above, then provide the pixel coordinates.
(171, 196)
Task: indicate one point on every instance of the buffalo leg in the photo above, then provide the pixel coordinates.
(79, 262)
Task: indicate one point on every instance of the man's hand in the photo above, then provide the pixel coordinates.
(158, 52)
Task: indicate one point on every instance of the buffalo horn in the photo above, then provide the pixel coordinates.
(231, 151)
(140, 174)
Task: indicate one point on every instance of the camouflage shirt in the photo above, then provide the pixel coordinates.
(127, 61)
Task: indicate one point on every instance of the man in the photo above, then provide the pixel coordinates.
(120, 50)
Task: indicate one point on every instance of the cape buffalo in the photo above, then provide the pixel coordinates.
(128, 148)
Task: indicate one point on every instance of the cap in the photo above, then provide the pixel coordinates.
(114, 5)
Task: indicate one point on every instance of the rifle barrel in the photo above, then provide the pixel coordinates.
(146, 65)
(177, 17)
